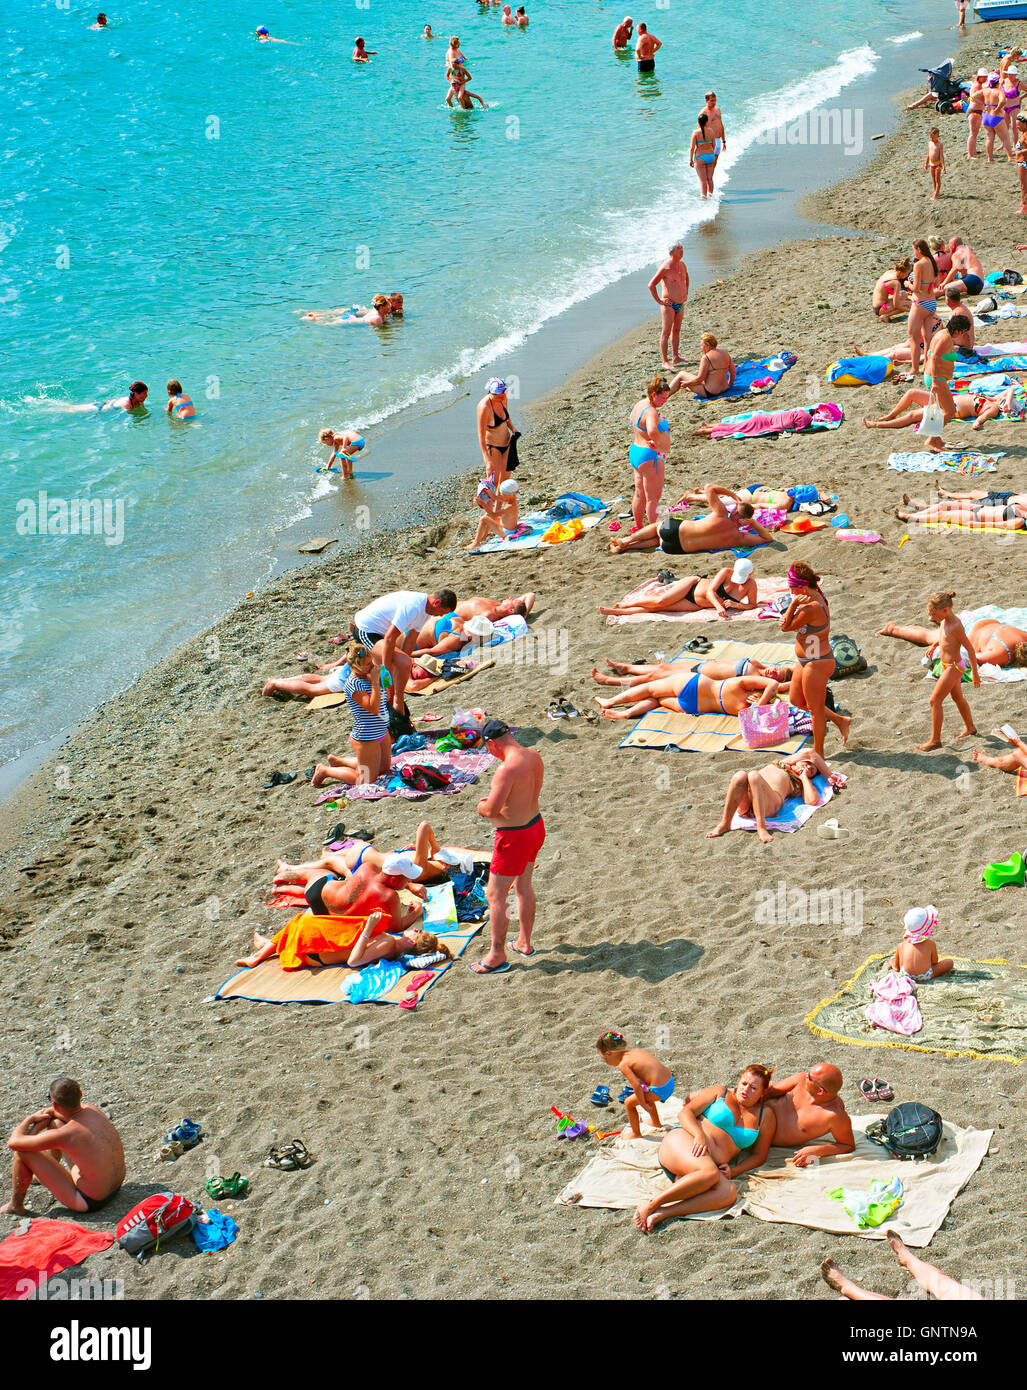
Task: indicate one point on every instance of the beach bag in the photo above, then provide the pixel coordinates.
(1009, 277)
(910, 1130)
(764, 725)
(570, 504)
(399, 722)
(421, 778)
(156, 1218)
(562, 531)
(848, 659)
(933, 421)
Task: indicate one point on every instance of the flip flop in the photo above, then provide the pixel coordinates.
(520, 952)
(555, 710)
(489, 969)
(867, 1088)
(882, 1091)
(337, 832)
(279, 779)
(188, 1134)
(667, 577)
(279, 1157)
(698, 646)
(420, 980)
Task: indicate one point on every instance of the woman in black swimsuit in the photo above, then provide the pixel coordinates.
(732, 589)
(496, 434)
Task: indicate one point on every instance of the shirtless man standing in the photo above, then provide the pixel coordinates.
(646, 46)
(512, 807)
(81, 1135)
(807, 1106)
(714, 124)
(622, 33)
(673, 274)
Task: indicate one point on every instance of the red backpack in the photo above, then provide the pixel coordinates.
(156, 1218)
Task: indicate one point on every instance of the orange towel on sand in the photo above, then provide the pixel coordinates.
(47, 1247)
(307, 934)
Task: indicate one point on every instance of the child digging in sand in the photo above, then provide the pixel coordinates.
(916, 954)
(935, 160)
(645, 1074)
(954, 649)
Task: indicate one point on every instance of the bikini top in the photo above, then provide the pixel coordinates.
(496, 421)
(807, 628)
(720, 1114)
(662, 428)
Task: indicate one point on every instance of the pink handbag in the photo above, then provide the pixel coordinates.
(764, 725)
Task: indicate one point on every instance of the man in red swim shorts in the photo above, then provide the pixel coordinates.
(512, 807)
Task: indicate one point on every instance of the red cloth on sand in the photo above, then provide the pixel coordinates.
(46, 1248)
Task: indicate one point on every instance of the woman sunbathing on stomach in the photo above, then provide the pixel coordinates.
(732, 588)
(683, 690)
(762, 794)
(997, 643)
(718, 1126)
(721, 530)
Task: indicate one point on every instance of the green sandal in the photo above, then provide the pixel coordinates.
(220, 1188)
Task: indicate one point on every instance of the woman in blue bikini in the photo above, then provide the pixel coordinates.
(718, 1125)
(688, 689)
(702, 155)
(923, 280)
(648, 452)
(343, 447)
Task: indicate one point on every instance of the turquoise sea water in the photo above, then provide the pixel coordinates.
(173, 195)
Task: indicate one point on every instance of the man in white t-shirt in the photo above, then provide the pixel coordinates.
(392, 623)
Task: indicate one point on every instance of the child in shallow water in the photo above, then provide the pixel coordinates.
(954, 649)
(916, 954)
(647, 1076)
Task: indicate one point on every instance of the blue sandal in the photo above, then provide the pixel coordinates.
(188, 1134)
(600, 1096)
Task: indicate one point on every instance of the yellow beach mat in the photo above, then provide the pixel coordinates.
(625, 1171)
(962, 526)
(711, 733)
(978, 1010)
(331, 701)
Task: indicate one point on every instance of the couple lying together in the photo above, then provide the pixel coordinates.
(700, 687)
(354, 913)
(727, 1131)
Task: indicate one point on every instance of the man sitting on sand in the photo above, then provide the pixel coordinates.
(445, 635)
(967, 273)
(722, 529)
(762, 794)
(71, 1148)
(807, 1106)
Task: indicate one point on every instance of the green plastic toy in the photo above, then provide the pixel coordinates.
(1011, 870)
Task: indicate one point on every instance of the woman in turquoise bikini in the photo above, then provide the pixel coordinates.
(648, 452)
(718, 1125)
(923, 306)
(702, 156)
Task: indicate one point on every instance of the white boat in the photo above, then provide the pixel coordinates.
(1000, 9)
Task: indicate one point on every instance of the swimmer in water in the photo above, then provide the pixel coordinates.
(427, 32)
(264, 37)
(362, 54)
(101, 21)
(521, 17)
(458, 80)
(343, 447)
(180, 407)
(396, 305)
(356, 313)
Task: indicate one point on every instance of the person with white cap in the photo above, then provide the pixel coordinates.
(512, 807)
(497, 437)
(731, 590)
(435, 861)
(498, 511)
(916, 954)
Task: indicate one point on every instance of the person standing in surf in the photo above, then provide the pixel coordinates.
(673, 274)
(646, 47)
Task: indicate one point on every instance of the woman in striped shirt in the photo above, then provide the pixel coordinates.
(370, 739)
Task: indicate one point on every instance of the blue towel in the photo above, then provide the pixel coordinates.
(374, 980)
(220, 1231)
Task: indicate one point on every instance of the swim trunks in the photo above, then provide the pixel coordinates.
(669, 534)
(96, 1203)
(677, 307)
(516, 846)
(974, 284)
(647, 64)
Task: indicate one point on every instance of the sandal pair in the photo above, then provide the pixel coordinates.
(288, 1157)
(219, 1187)
(188, 1134)
(698, 646)
(875, 1089)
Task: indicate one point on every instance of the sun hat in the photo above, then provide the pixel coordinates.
(480, 626)
(1012, 72)
(495, 386)
(456, 860)
(493, 729)
(982, 72)
(400, 866)
(919, 923)
(741, 571)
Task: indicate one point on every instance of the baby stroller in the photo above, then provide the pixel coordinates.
(944, 87)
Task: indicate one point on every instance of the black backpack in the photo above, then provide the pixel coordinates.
(909, 1130)
(399, 722)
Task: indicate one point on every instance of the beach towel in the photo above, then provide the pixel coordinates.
(985, 350)
(270, 984)
(755, 424)
(967, 462)
(793, 815)
(748, 372)
(28, 1259)
(978, 1010)
(984, 530)
(894, 1006)
(463, 766)
(624, 1172)
(859, 371)
(538, 523)
(710, 733)
(505, 630)
(766, 589)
